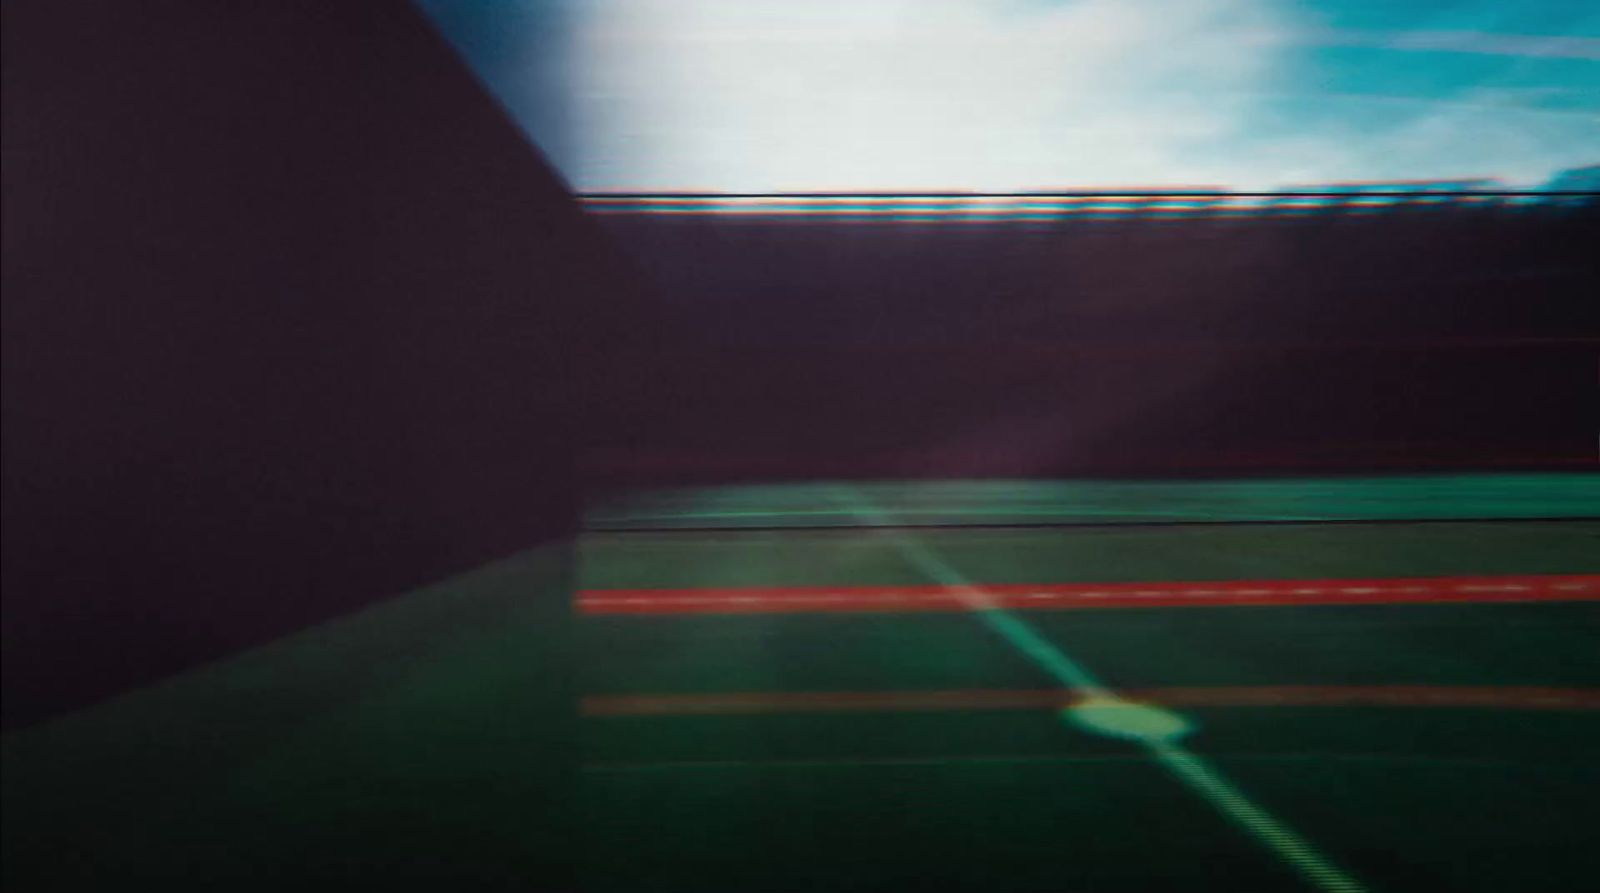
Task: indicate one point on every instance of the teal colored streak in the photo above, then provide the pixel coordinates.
(1014, 630)
(1103, 712)
(1206, 781)
(1116, 718)
(1397, 498)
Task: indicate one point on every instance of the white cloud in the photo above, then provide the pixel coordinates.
(779, 95)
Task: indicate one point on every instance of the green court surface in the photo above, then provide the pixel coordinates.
(1414, 745)
(1402, 795)
(1392, 738)
(1436, 497)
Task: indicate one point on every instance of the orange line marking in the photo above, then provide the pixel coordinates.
(736, 703)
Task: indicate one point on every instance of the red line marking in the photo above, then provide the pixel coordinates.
(1071, 596)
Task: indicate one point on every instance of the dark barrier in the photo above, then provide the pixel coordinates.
(1343, 338)
(290, 311)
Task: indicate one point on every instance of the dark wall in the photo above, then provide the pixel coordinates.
(289, 312)
(1399, 339)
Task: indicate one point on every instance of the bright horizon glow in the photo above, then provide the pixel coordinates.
(1037, 95)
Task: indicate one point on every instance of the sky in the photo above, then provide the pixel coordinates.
(1031, 95)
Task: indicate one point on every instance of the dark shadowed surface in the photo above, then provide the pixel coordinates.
(1420, 744)
(289, 312)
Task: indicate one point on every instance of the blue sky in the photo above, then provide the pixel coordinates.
(1000, 95)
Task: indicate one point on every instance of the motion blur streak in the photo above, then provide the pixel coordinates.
(1200, 202)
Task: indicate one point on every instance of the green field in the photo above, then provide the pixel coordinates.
(459, 733)
(1400, 796)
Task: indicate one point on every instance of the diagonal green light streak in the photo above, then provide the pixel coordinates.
(1191, 769)
(1294, 850)
(1013, 629)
